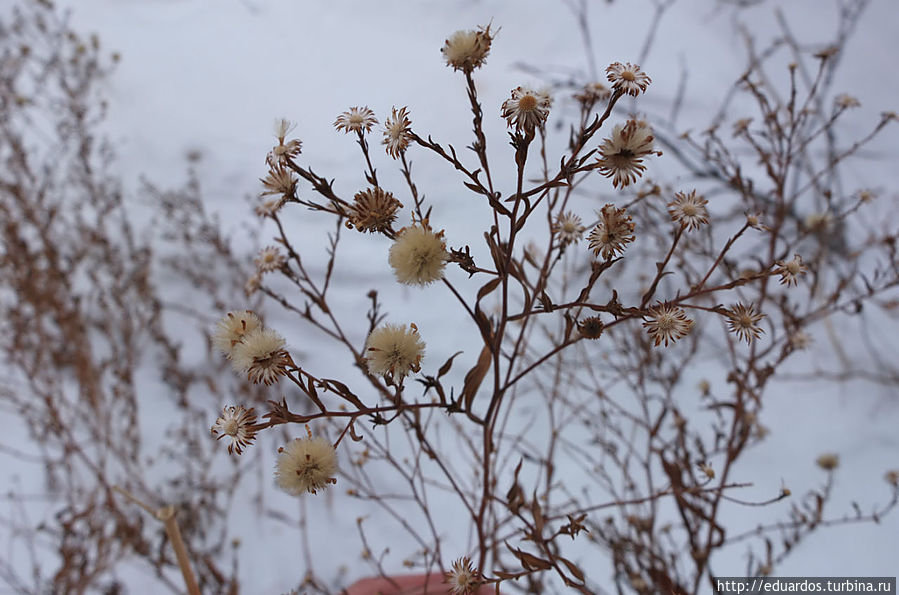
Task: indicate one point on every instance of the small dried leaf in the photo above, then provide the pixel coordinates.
(488, 287)
(572, 568)
(447, 365)
(475, 377)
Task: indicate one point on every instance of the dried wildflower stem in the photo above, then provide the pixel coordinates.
(167, 516)
(661, 269)
(721, 254)
(480, 144)
(476, 185)
(370, 176)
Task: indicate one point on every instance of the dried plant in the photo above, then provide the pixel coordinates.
(573, 425)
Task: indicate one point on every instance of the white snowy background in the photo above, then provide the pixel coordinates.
(211, 76)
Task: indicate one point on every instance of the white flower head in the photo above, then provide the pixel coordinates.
(463, 578)
(306, 465)
(527, 108)
(744, 320)
(667, 323)
(627, 78)
(283, 127)
(418, 256)
(279, 180)
(394, 349)
(269, 259)
(613, 232)
(467, 50)
(357, 119)
(397, 132)
(285, 149)
(232, 329)
(790, 270)
(688, 209)
(236, 423)
(261, 356)
(621, 155)
(568, 228)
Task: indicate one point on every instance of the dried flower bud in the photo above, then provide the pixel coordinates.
(828, 461)
(591, 328)
(373, 209)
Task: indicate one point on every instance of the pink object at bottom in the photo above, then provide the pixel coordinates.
(410, 584)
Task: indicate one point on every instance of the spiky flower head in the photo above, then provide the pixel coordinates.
(667, 323)
(892, 477)
(269, 259)
(743, 321)
(232, 329)
(467, 50)
(689, 210)
(306, 465)
(614, 230)
(418, 255)
(591, 328)
(463, 578)
(621, 155)
(527, 108)
(568, 228)
(627, 78)
(397, 130)
(357, 119)
(394, 349)
(236, 423)
(373, 209)
(261, 356)
(790, 270)
(279, 180)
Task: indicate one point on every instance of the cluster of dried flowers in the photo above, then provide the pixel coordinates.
(668, 312)
(586, 350)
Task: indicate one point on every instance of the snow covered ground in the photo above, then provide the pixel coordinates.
(210, 76)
